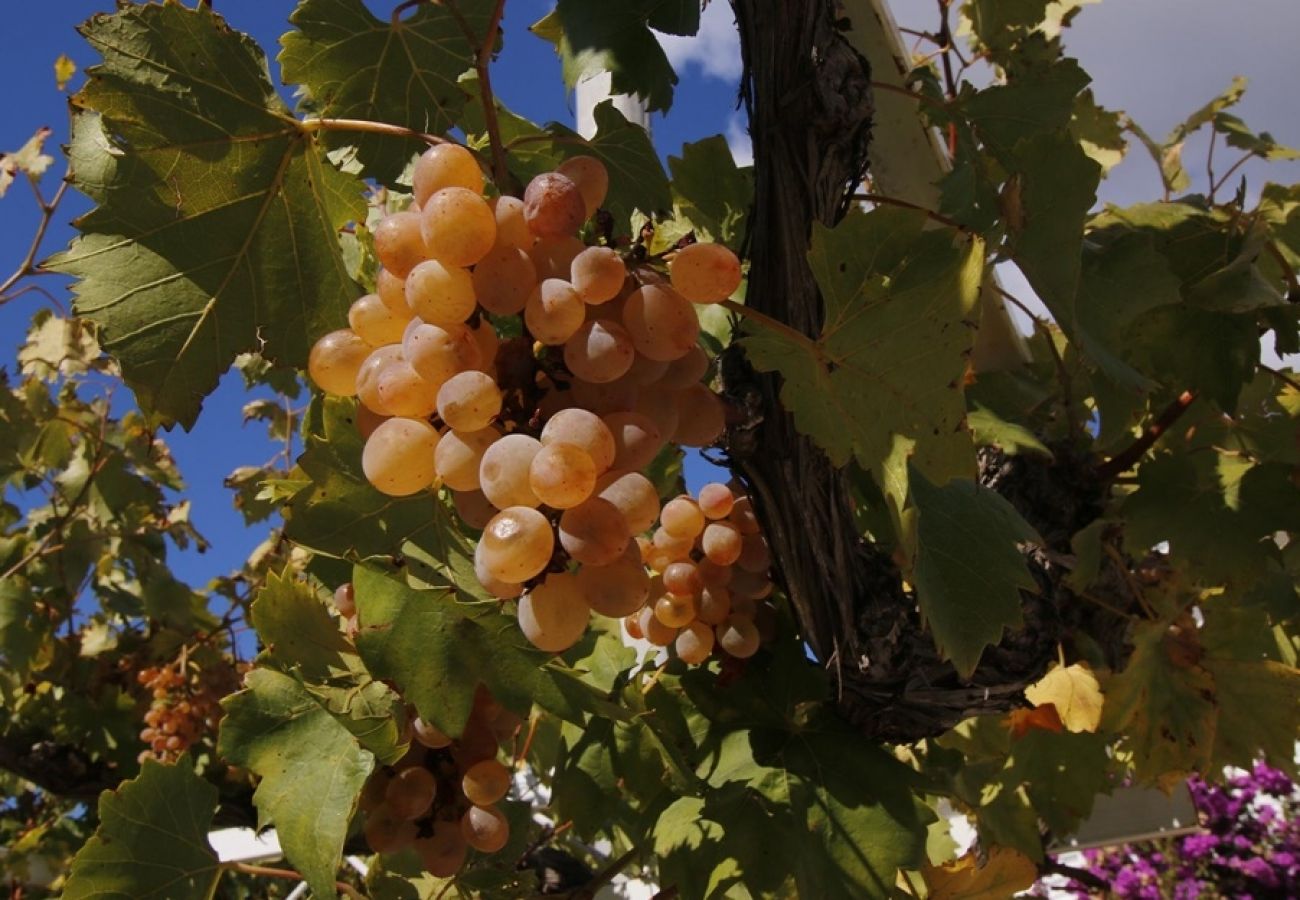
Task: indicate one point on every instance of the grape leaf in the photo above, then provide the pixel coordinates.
(216, 230)
(1099, 132)
(152, 839)
(1004, 873)
(891, 354)
(1062, 773)
(356, 66)
(438, 651)
(636, 175)
(967, 571)
(712, 191)
(311, 769)
(1259, 711)
(1075, 693)
(295, 627)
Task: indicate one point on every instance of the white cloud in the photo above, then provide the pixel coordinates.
(715, 50)
(742, 150)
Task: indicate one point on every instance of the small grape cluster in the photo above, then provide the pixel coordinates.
(712, 582)
(185, 705)
(542, 440)
(440, 798)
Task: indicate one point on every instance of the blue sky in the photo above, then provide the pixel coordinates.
(1156, 58)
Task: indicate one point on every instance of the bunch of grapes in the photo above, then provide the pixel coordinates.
(185, 705)
(542, 439)
(711, 584)
(440, 798)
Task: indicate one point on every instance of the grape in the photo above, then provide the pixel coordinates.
(705, 273)
(458, 226)
(683, 578)
(553, 258)
(387, 833)
(659, 407)
(632, 623)
(672, 546)
(502, 590)
(715, 500)
(476, 743)
(598, 274)
(553, 206)
(750, 585)
(445, 165)
(469, 401)
(429, 735)
(399, 243)
(582, 429)
(485, 336)
(440, 294)
(743, 517)
(443, 852)
(402, 392)
(512, 229)
(503, 280)
(701, 417)
(599, 351)
(686, 370)
(392, 290)
(713, 605)
(655, 631)
(662, 323)
(682, 518)
(503, 473)
(694, 643)
(618, 589)
(636, 439)
(562, 475)
(591, 177)
(644, 370)
(633, 494)
(738, 636)
(486, 782)
(485, 828)
(594, 532)
(335, 360)
(721, 543)
(714, 575)
(517, 544)
(554, 615)
(553, 312)
(743, 606)
(345, 600)
(438, 352)
(473, 508)
(410, 794)
(675, 611)
(459, 454)
(754, 555)
(374, 322)
(603, 399)
(367, 420)
(372, 792)
(398, 457)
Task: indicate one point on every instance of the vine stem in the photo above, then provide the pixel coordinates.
(606, 875)
(886, 200)
(914, 95)
(369, 127)
(1280, 376)
(1288, 273)
(269, 872)
(482, 65)
(1127, 458)
(28, 265)
(771, 324)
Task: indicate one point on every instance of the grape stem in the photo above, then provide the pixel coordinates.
(268, 872)
(885, 200)
(482, 66)
(1128, 458)
(367, 126)
(28, 266)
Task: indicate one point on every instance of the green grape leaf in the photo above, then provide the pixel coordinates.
(1259, 711)
(1034, 103)
(988, 428)
(1262, 145)
(216, 229)
(355, 66)
(890, 358)
(636, 175)
(437, 651)
(712, 191)
(1099, 132)
(593, 37)
(968, 571)
(311, 769)
(1163, 702)
(1062, 774)
(295, 627)
(152, 839)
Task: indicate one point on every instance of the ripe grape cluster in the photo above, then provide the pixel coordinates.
(711, 584)
(185, 705)
(542, 439)
(440, 798)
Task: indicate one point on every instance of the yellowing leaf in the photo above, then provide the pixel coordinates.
(1041, 718)
(64, 69)
(28, 159)
(1075, 693)
(1005, 873)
